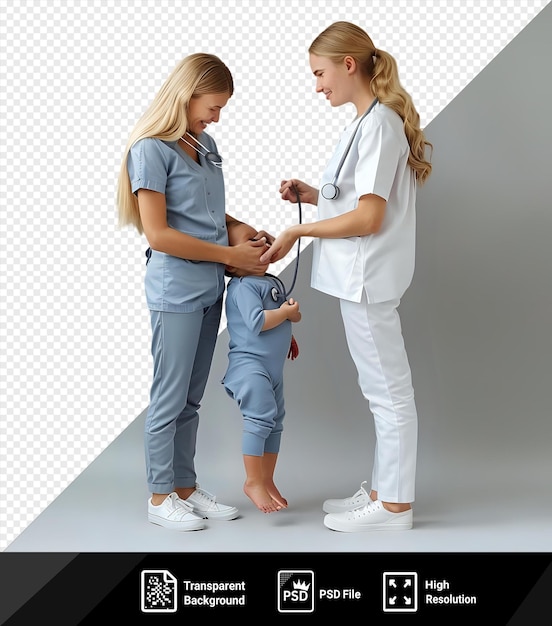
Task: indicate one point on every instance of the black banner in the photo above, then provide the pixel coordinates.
(88, 588)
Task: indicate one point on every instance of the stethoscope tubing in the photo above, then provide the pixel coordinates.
(294, 188)
(330, 191)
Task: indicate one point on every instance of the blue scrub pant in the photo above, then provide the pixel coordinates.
(182, 348)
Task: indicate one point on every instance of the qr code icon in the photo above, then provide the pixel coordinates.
(158, 591)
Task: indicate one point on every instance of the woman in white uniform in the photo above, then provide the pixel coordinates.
(171, 189)
(363, 254)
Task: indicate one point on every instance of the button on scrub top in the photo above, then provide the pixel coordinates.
(195, 199)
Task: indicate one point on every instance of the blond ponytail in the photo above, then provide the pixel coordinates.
(343, 39)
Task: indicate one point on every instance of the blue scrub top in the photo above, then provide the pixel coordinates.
(195, 199)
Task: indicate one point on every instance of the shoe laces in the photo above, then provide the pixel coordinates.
(204, 499)
(360, 494)
(365, 510)
(177, 509)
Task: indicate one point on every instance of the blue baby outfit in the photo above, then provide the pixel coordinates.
(254, 377)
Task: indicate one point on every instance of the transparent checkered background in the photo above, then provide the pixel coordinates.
(75, 77)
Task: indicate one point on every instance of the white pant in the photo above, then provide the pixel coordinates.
(376, 344)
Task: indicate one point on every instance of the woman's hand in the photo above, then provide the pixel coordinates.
(246, 256)
(290, 188)
(281, 245)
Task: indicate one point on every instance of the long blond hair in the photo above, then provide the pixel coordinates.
(166, 118)
(343, 39)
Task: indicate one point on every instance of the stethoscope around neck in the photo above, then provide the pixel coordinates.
(330, 191)
(277, 293)
(212, 157)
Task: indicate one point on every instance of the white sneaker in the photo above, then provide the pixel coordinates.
(359, 499)
(373, 516)
(174, 513)
(205, 505)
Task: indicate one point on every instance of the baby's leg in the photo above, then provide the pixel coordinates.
(255, 486)
(261, 421)
(269, 465)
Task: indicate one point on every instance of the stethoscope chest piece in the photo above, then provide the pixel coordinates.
(214, 158)
(330, 191)
(274, 294)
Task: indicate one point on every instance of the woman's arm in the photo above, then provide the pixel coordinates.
(161, 237)
(365, 219)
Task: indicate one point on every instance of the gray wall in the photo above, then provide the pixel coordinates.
(478, 314)
(476, 319)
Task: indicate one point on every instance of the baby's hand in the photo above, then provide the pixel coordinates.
(293, 313)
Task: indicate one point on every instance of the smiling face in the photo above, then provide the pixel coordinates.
(204, 109)
(333, 80)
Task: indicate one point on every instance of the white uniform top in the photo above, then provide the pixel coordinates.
(383, 263)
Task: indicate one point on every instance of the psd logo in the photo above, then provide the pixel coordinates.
(295, 591)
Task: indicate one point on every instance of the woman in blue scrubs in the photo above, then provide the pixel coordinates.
(363, 254)
(171, 189)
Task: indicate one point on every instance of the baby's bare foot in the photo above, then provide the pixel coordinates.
(273, 491)
(260, 497)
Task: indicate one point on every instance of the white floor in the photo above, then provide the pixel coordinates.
(479, 488)
(104, 510)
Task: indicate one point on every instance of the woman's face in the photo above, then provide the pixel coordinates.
(331, 79)
(202, 110)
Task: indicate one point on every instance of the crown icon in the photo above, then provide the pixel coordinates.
(301, 585)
